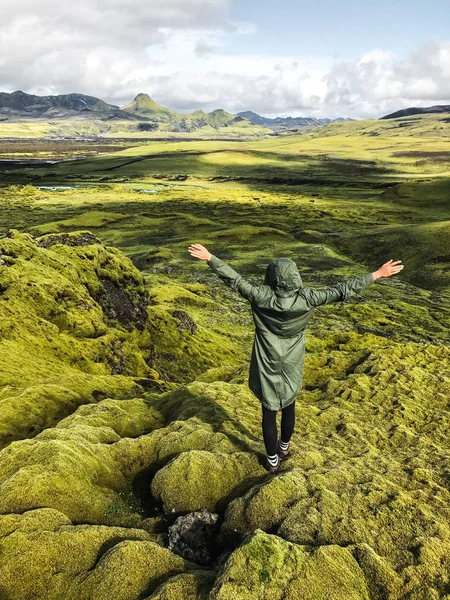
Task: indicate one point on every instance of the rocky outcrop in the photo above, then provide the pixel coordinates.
(193, 536)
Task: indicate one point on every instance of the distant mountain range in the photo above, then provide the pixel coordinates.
(148, 114)
(142, 108)
(407, 112)
(22, 104)
(287, 121)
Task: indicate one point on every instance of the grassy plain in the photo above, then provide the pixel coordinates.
(81, 126)
(128, 420)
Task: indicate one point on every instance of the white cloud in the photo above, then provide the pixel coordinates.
(380, 82)
(177, 51)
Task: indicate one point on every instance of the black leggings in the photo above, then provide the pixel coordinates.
(269, 426)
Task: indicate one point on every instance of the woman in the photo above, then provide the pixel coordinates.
(281, 309)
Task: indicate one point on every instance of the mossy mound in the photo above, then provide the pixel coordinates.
(265, 566)
(78, 562)
(58, 308)
(91, 219)
(78, 312)
(87, 465)
(27, 411)
(186, 586)
(180, 485)
(128, 419)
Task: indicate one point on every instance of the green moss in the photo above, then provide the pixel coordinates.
(179, 353)
(72, 474)
(89, 560)
(53, 310)
(90, 219)
(129, 418)
(49, 311)
(188, 586)
(382, 580)
(265, 566)
(26, 412)
(247, 233)
(250, 511)
(88, 466)
(229, 408)
(180, 485)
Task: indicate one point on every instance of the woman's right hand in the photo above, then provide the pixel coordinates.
(391, 267)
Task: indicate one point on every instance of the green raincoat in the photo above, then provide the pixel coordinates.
(281, 309)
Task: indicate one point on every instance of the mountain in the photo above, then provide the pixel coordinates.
(19, 103)
(144, 106)
(407, 112)
(219, 118)
(286, 121)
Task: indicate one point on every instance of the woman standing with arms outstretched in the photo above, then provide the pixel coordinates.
(281, 309)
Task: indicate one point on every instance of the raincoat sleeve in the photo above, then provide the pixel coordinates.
(340, 291)
(233, 279)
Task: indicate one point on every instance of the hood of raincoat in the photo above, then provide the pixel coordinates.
(283, 277)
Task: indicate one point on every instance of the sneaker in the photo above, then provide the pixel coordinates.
(271, 468)
(283, 453)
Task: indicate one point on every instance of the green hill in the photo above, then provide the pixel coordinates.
(439, 108)
(418, 125)
(144, 106)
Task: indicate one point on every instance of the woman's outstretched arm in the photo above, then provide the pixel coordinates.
(352, 285)
(225, 272)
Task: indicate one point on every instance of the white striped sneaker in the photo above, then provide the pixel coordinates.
(283, 453)
(270, 467)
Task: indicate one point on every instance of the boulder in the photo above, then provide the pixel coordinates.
(193, 536)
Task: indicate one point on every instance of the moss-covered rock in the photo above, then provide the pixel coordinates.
(266, 566)
(376, 512)
(78, 562)
(180, 485)
(74, 349)
(130, 418)
(250, 511)
(87, 465)
(26, 412)
(185, 586)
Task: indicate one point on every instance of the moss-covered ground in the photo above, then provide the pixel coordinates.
(123, 374)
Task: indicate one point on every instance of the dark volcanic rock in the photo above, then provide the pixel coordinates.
(193, 536)
(363, 329)
(117, 304)
(84, 238)
(186, 321)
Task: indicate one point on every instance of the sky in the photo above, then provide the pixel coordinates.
(322, 59)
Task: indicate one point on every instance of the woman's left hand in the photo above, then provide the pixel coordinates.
(200, 252)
